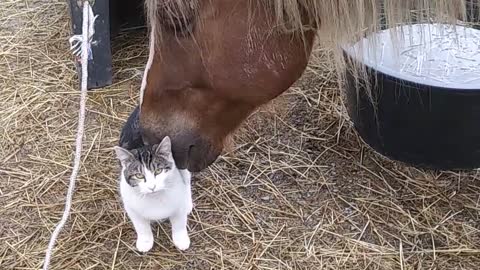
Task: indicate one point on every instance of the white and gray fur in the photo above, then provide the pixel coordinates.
(152, 188)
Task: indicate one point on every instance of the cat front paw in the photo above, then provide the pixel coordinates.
(181, 240)
(144, 243)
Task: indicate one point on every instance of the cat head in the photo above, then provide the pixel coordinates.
(149, 168)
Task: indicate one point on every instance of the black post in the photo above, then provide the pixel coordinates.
(100, 68)
(473, 14)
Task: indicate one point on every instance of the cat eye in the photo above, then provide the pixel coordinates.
(138, 176)
(158, 171)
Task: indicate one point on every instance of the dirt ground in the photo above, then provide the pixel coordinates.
(297, 190)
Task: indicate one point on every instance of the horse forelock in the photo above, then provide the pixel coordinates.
(177, 16)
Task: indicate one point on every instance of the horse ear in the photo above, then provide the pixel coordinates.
(122, 154)
(165, 147)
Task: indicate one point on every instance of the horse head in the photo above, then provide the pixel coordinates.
(210, 66)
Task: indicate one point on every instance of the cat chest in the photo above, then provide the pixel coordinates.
(156, 212)
(153, 208)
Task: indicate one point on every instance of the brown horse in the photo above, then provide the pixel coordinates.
(213, 62)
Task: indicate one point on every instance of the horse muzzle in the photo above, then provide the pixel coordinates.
(189, 150)
(193, 152)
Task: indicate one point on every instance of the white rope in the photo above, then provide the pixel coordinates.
(85, 41)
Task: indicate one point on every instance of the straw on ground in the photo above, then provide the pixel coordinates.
(297, 190)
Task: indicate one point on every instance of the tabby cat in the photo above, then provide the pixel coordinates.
(152, 188)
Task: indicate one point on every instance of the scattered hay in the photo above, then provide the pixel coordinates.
(298, 190)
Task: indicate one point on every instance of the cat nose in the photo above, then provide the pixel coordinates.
(152, 188)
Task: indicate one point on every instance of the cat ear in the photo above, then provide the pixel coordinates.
(122, 154)
(164, 148)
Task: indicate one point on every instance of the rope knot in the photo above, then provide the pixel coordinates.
(76, 41)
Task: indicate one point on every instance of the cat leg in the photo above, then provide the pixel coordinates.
(189, 201)
(143, 230)
(187, 177)
(179, 230)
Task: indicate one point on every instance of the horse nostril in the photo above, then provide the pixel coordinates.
(189, 154)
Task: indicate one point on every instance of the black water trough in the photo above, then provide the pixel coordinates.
(427, 96)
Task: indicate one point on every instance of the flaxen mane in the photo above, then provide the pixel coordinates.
(339, 19)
